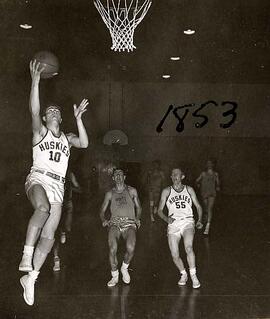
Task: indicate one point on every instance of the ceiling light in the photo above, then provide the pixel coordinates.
(25, 26)
(189, 32)
(175, 58)
(166, 76)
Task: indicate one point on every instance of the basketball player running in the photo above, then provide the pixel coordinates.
(155, 182)
(45, 183)
(209, 184)
(179, 199)
(125, 217)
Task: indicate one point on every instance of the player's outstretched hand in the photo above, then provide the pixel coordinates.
(170, 219)
(79, 110)
(35, 70)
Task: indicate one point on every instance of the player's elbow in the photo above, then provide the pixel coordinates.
(84, 144)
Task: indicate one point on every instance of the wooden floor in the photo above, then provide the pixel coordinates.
(232, 263)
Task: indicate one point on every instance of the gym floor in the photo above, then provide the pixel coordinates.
(232, 263)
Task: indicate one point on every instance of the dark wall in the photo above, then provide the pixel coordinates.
(241, 151)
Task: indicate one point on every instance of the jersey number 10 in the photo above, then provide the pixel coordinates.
(55, 156)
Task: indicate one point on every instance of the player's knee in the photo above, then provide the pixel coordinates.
(40, 216)
(189, 249)
(131, 246)
(49, 231)
(45, 245)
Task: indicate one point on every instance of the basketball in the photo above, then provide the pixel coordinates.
(49, 62)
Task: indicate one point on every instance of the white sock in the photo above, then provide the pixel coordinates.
(28, 250)
(115, 273)
(192, 271)
(183, 272)
(124, 265)
(34, 274)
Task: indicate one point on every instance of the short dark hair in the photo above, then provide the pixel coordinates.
(118, 169)
(51, 105)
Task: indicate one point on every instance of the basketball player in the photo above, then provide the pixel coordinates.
(45, 183)
(155, 182)
(125, 217)
(179, 199)
(71, 184)
(209, 184)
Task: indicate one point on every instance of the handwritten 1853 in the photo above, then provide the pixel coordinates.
(229, 114)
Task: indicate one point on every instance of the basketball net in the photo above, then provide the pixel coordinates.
(121, 18)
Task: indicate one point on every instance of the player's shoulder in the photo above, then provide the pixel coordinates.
(166, 190)
(39, 135)
(108, 194)
(190, 189)
(132, 189)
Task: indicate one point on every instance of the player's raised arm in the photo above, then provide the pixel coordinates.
(80, 141)
(34, 103)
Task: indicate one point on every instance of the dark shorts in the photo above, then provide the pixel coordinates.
(123, 223)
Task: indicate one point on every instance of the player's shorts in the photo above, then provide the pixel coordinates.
(154, 197)
(123, 223)
(54, 189)
(206, 195)
(178, 227)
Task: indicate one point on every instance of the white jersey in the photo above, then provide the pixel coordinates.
(52, 154)
(179, 204)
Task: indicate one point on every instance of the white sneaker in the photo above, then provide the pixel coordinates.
(63, 237)
(195, 281)
(113, 281)
(183, 280)
(26, 263)
(56, 266)
(28, 284)
(207, 229)
(125, 275)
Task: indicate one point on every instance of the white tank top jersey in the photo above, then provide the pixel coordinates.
(52, 154)
(179, 204)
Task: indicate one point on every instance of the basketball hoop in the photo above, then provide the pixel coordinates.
(121, 18)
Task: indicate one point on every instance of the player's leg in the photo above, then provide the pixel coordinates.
(173, 241)
(69, 216)
(67, 220)
(47, 237)
(56, 253)
(205, 209)
(210, 206)
(188, 236)
(156, 197)
(151, 206)
(113, 238)
(41, 205)
(44, 246)
(129, 236)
